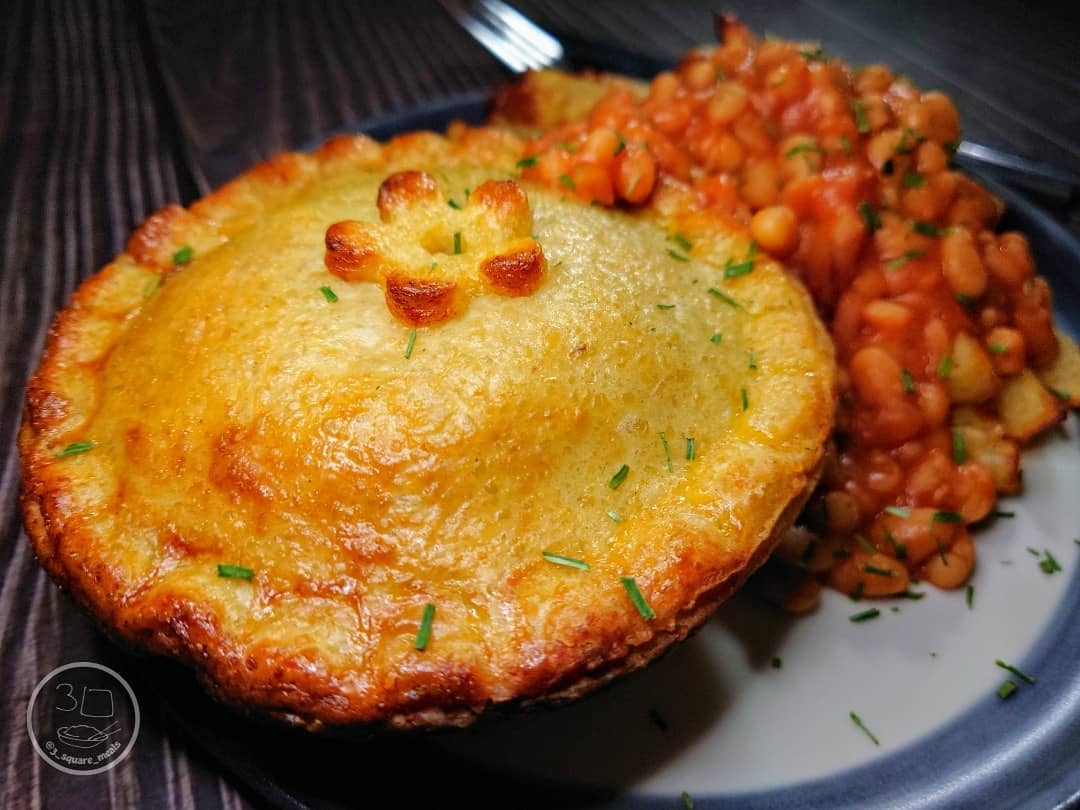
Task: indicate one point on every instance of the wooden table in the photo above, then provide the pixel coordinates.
(103, 119)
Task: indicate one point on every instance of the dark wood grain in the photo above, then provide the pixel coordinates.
(104, 111)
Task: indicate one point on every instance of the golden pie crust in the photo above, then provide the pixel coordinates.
(363, 460)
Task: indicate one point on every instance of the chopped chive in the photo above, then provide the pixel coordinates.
(941, 552)
(944, 367)
(845, 144)
(566, 181)
(959, 447)
(621, 144)
(898, 548)
(183, 255)
(687, 802)
(1000, 514)
(234, 571)
(865, 544)
(410, 344)
(907, 381)
(457, 243)
(151, 286)
(1057, 392)
(914, 596)
(681, 241)
(900, 261)
(861, 123)
(745, 399)
(912, 180)
(881, 572)
(665, 306)
(691, 448)
(454, 204)
(619, 477)
(1018, 673)
(898, 511)
(927, 229)
(997, 348)
(423, 635)
(630, 584)
(74, 449)
(808, 146)
(865, 616)
(944, 516)
(716, 338)
(677, 256)
(614, 516)
(1048, 564)
(667, 452)
(869, 215)
(909, 139)
(740, 269)
(969, 597)
(569, 562)
(815, 55)
(1032, 551)
(751, 360)
(328, 294)
(858, 722)
(964, 300)
(527, 162)
(776, 663)
(727, 299)
(1006, 690)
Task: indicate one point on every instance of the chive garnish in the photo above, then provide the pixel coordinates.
(677, 256)
(865, 544)
(959, 447)
(619, 477)
(751, 361)
(912, 180)
(900, 261)
(527, 162)
(614, 516)
(681, 241)
(410, 344)
(328, 294)
(861, 124)
(898, 548)
(776, 663)
(964, 300)
(1057, 392)
(927, 229)
(997, 348)
(899, 511)
(808, 146)
(566, 181)
(569, 562)
(1005, 691)
(74, 449)
(865, 616)
(944, 367)
(716, 338)
(1018, 673)
(630, 584)
(881, 572)
(869, 215)
(727, 299)
(151, 286)
(1000, 514)
(907, 381)
(234, 571)
(454, 204)
(944, 516)
(845, 144)
(815, 55)
(183, 255)
(621, 144)
(909, 139)
(858, 722)
(667, 452)
(969, 597)
(665, 306)
(1032, 551)
(740, 269)
(914, 596)
(423, 635)
(457, 243)
(691, 448)
(745, 399)
(1048, 564)
(687, 802)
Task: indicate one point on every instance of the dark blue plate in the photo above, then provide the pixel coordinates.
(1024, 752)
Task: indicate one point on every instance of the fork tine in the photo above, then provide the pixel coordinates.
(517, 23)
(517, 43)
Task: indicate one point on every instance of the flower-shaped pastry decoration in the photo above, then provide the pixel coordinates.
(430, 257)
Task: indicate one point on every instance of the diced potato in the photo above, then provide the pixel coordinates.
(1063, 375)
(987, 445)
(972, 378)
(1026, 407)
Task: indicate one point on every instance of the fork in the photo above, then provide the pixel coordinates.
(522, 45)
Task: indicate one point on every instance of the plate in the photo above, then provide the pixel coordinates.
(756, 710)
